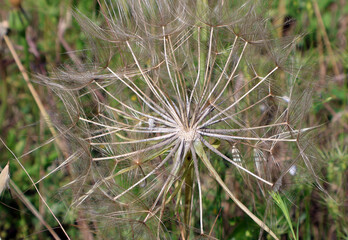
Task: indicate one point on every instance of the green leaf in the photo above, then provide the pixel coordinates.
(282, 205)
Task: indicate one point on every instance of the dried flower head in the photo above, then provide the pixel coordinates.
(169, 89)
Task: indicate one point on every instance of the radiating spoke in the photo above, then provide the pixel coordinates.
(172, 151)
(167, 136)
(241, 129)
(165, 143)
(228, 137)
(208, 145)
(142, 96)
(236, 113)
(237, 101)
(133, 110)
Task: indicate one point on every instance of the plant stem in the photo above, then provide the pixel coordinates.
(188, 183)
(35, 95)
(326, 38)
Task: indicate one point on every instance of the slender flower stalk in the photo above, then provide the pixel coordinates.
(171, 88)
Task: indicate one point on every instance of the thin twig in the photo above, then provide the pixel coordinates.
(35, 95)
(326, 38)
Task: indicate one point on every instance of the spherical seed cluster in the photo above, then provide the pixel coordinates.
(177, 84)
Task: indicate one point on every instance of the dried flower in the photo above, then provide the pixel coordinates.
(170, 86)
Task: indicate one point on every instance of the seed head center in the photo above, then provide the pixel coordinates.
(187, 134)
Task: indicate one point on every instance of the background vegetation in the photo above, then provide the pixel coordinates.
(44, 34)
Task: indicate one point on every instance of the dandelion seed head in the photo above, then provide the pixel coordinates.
(167, 74)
